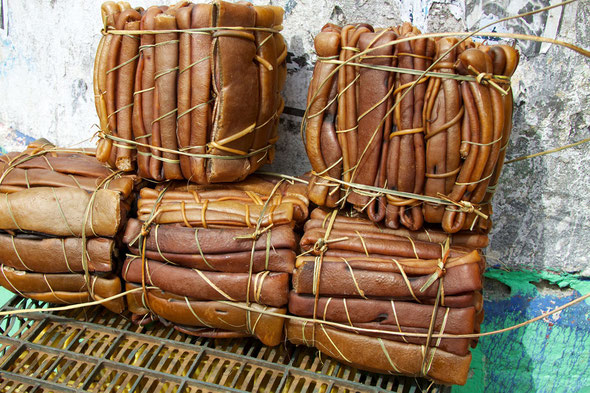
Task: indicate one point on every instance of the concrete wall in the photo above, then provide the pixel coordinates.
(542, 207)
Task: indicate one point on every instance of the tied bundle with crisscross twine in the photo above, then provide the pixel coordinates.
(406, 133)
(60, 211)
(190, 91)
(356, 282)
(409, 128)
(200, 251)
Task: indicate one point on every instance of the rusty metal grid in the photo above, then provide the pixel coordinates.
(95, 350)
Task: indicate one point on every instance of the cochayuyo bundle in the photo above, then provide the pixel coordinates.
(212, 258)
(190, 91)
(406, 137)
(405, 147)
(363, 275)
(60, 213)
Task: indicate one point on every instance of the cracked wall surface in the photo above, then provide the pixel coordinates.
(542, 208)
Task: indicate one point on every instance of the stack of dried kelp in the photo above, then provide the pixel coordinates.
(60, 212)
(210, 257)
(190, 91)
(375, 282)
(376, 121)
(406, 135)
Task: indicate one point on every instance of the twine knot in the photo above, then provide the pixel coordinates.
(440, 266)
(483, 77)
(438, 273)
(145, 230)
(467, 207)
(254, 236)
(321, 245)
(464, 206)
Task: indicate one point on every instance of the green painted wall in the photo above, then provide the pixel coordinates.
(5, 295)
(550, 355)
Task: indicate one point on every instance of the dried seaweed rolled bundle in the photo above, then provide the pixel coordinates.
(69, 288)
(64, 204)
(373, 297)
(406, 128)
(195, 250)
(197, 96)
(406, 136)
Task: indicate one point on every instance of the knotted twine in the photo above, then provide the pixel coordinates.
(41, 151)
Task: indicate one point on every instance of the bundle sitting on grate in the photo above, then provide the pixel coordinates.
(190, 91)
(381, 134)
(362, 275)
(60, 214)
(208, 257)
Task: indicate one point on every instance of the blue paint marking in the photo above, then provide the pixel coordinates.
(18, 138)
(23, 137)
(13, 58)
(9, 57)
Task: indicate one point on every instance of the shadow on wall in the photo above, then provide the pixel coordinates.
(542, 201)
(290, 156)
(518, 234)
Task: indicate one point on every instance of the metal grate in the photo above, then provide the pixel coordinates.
(95, 350)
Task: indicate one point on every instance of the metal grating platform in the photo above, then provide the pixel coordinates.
(95, 350)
